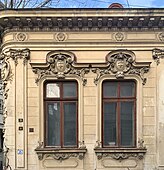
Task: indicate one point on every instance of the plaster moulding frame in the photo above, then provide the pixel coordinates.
(121, 64)
(60, 65)
(121, 153)
(57, 153)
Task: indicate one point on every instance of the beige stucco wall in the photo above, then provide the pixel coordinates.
(25, 100)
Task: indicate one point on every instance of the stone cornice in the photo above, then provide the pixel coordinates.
(82, 19)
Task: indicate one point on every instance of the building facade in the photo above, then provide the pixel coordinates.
(83, 89)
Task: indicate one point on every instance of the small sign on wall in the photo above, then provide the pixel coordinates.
(20, 152)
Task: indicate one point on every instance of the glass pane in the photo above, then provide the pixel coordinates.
(127, 123)
(110, 124)
(52, 90)
(127, 89)
(70, 124)
(110, 89)
(53, 124)
(69, 89)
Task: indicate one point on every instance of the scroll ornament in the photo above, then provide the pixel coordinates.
(121, 156)
(60, 65)
(158, 54)
(121, 153)
(20, 54)
(6, 73)
(120, 64)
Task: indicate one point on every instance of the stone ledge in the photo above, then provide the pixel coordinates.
(120, 153)
(60, 153)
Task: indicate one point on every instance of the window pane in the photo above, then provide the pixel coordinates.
(110, 123)
(127, 89)
(52, 90)
(110, 89)
(70, 124)
(54, 124)
(69, 90)
(127, 123)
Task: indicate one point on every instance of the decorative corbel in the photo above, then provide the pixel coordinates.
(121, 63)
(157, 55)
(60, 64)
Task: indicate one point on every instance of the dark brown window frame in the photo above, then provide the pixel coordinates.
(62, 100)
(118, 99)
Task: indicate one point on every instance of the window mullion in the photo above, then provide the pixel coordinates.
(61, 116)
(61, 124)
(46, 123)
(118, 124)
(118, 116)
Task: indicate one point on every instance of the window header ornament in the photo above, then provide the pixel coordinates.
(121, 63)
(60, 64)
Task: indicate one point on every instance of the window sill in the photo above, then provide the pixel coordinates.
(120, 153)
(60, 153)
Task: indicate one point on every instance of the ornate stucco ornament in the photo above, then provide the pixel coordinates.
(121, 156)
(121, 153)
(6, 73)
(21, 36)
(61, 36)
(63, 156)
(82, 145)
(60, 64)
(119, 36)
(120, 64)
(60, 154)
(20, 54)
(161, 36)
(6, 159)
(98, 144)
(157, 55)
(141, 144)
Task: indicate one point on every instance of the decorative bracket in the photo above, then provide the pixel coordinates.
(157, 55)
(60, 64)
(121, 63)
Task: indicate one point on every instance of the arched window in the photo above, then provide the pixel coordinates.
(119, 113)
(61, 113)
